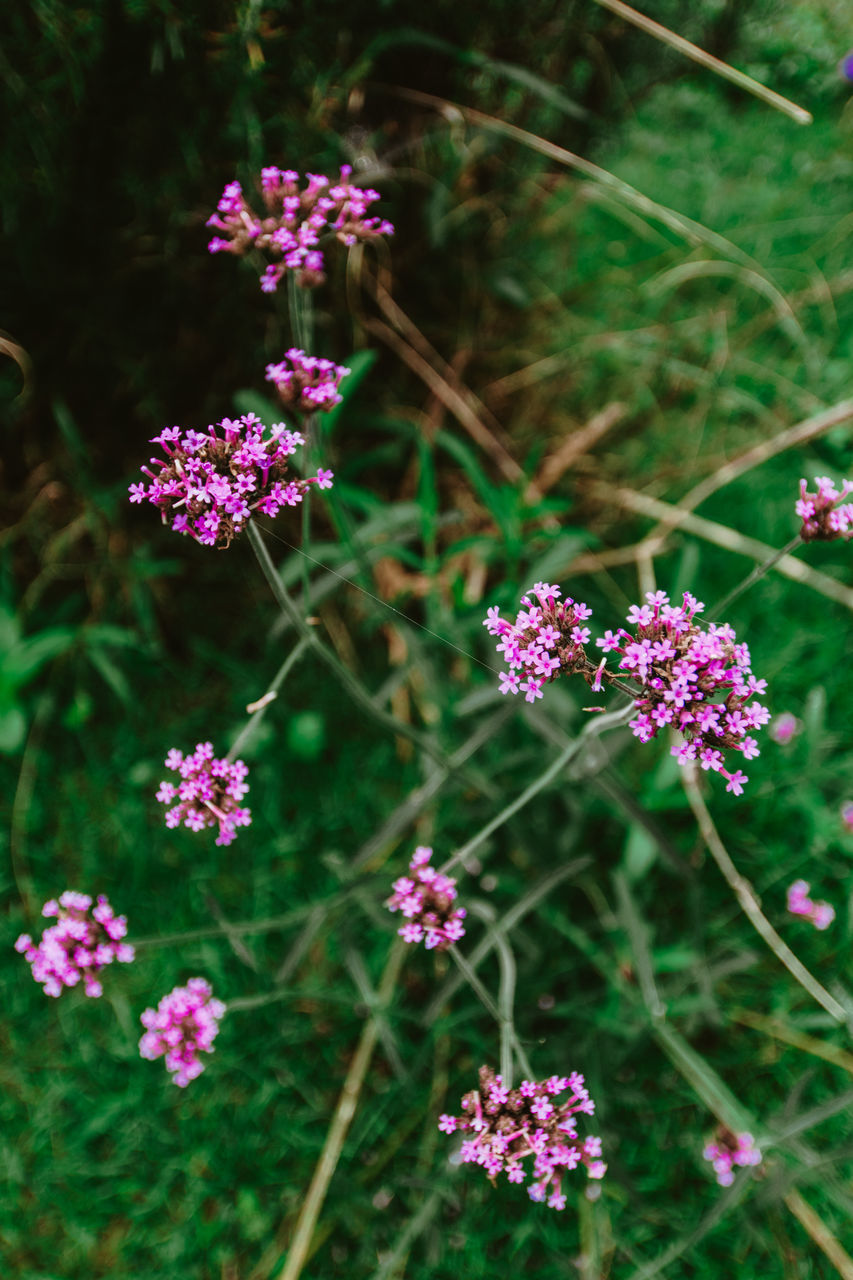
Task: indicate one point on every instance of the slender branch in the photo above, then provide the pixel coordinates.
(751, 578)
(501, 1010)
(263, 702)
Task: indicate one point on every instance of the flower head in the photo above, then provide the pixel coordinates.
(208, 486)
(822, 516)
(307, 383)
(81, 943)
(697, 680)
(506, 1127)
(784, 727)
(208, 794)
(547, 639)
(294, 222)
(184, 1024)
(821, 914)
(847, 814)
(425, 897)
(729, 1149)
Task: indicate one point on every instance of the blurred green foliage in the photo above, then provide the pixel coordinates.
(551, 297)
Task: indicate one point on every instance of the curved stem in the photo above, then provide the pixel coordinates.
(261, 706)
(751, 578)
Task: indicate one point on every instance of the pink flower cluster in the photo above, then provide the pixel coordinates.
(728, 1150)
(184, 1024)
(294, 222)
(547, 638)
(426, 897)
(823, 519)
(78, 946)
(208, 794)
(847, 815)
(784, 728)
(506, 1126)
(821, 914)
(307, 384)
(209, 485)
(694, 680)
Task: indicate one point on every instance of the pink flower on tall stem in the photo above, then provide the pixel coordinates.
(506, 1127)
(208, 794)
(184, 1024)
(546, 640)
(306, 384)
(82, 942)
(824, 513)
(820, 914)
(425, 897)
(729, 1150)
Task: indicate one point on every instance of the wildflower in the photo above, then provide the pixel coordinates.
(306, 383)
(823, 519)
(730, 1149)
(425, 898)
(821, 914)
(184, 1024)
(208, 794)
(847, 814)
(506, 1126)
(546, 640)
(784, 728)
(697, 681)
(78, 946)
(291, 229)
(210, 485)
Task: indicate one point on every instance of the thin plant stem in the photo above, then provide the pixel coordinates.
(751, 578)
(276, 683)
(266, 925)
(499, 1010)
(746, 896)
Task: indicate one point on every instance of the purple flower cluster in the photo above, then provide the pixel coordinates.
(426, 897)
(184, 1024)
(509, 1125)
(547, 638)
(823, 520)
(821, 914)
(307, 384)
(78, 946)
(784, 728)
(209, 485)
(208, 794)
(730, 1149)
(295, 221)
(695, 680)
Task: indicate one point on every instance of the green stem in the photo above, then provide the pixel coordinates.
(751, 578)
(276, 683)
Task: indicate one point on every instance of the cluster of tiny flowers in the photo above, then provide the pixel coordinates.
(547, 638)
(823, 520)
(694, 680)
(78, 946)
(821, 914)
(210, 484)
(728, 1150)
(294, 221)
(208, 794)
(784, 727)
(307, 384)
(425, 897)
(847, 814)
(509, 1125)
(184, 1024)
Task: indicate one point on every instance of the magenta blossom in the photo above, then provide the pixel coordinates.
(208, 794)
(547, 639)
(784, 727)
(208, 486)
(505, 1127)
(307, 384)
(425, 897)
(295, 222)
(821, 914)
(822, 516)
(78, 946)
(730, 1149)
(693, 679)
(184, 1024)
(847, 814)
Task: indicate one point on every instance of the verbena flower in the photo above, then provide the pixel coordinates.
(184, 1024)
(306, 384)
(295, 221)
(82, 942)
(821, 914)
(209, 485)
(547, 639)
(730, 1149)
(425, 897)
(847, 814)
(696, 680)
(784, 727)
(208, 794)
(823, 519)
(508, 1127)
